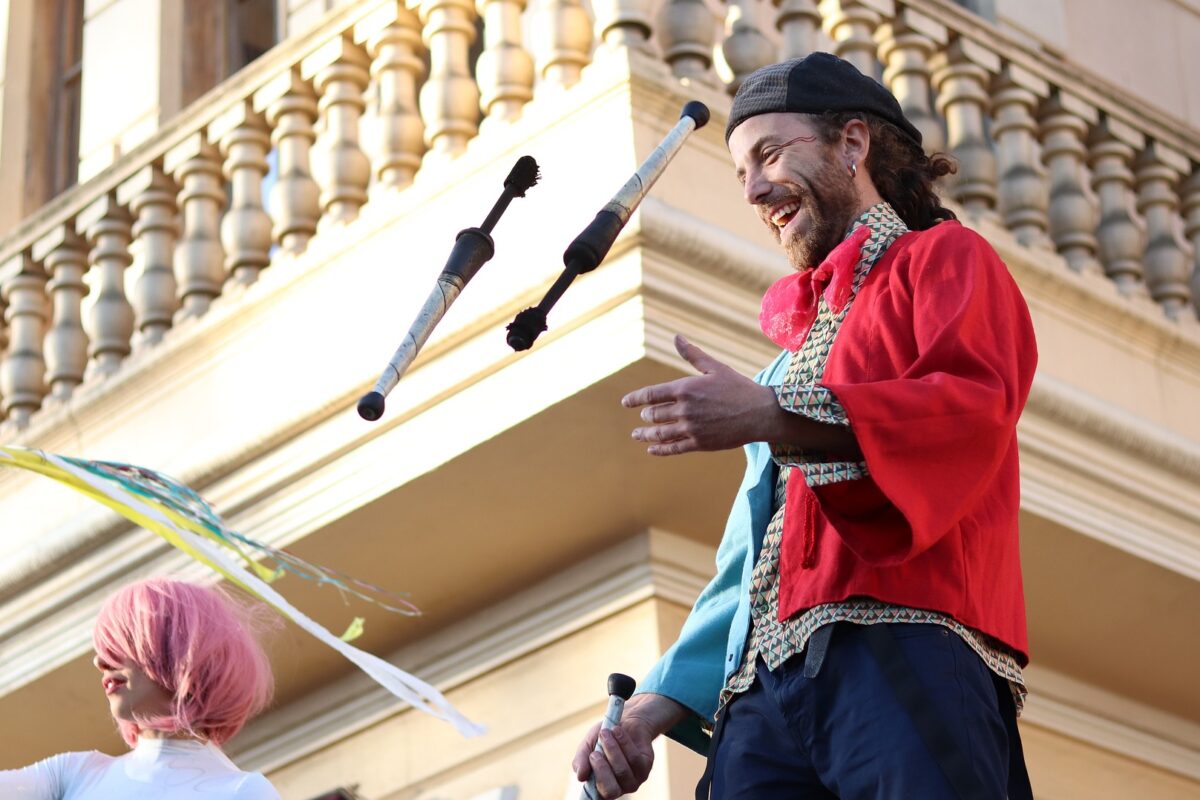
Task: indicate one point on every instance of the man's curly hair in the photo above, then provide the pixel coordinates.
(900, 169)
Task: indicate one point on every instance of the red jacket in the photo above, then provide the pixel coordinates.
(933, 365)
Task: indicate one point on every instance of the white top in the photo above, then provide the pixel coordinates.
(157, 769)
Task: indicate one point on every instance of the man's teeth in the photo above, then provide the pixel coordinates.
(784, 211)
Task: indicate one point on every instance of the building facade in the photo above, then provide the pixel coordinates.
(218, 217)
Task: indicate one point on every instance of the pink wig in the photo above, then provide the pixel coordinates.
(195, 642)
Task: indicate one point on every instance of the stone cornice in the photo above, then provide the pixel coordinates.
(1062, 704)
(660, 565)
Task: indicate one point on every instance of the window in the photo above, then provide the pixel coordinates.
(984, 8)
(65, 94)
(251, 31)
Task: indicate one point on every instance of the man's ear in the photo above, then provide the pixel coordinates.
(856, 142)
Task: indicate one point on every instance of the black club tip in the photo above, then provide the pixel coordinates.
(621, 685)
(523, 176)
(697, 111)
(370, 406)
(524, 330)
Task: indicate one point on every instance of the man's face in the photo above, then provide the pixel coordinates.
(798, 185)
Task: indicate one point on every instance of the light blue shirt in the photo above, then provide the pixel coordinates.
(710, 645)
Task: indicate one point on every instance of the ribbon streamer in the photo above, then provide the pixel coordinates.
(169, 509)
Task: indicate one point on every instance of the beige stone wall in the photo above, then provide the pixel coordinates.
(1150, 47)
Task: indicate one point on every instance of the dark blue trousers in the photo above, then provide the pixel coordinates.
(844, 735)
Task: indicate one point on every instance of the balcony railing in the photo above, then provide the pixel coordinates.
(353, 109)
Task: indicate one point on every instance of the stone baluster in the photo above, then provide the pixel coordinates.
(561, 41)
(687, 33)
(398, 67)
(905, 46)
(241, 134)
(1122, 233)
(291, 109)
(1158, 170)
(1073, 213)
(22, 375)
(150, 195)
(504, 70)
(109, 322)
(960, 75)
(622, 24)
(340, 73)
(798, 22)
(1190, 191)
(64, 254)
(851, 24)
(450, 98)
(199, 257)
(746, 47)
(1024, 190)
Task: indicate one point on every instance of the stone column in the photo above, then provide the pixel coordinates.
(1158, 170)
(852, 24)
(960, 73)
(64, 254)
(1190, 192)
(1024, 190)
(1073, 212)
(291, 109)
(22, 374)
(746, 48)
(798, 22)
(339, 71)
(107, 224)
(150, 195)
(199, 257)
(243, 139)
(622, 24)
(450, 98)
(687, 31)
(398, 67)
(505, 68)
(905, 46)
(561, 41)
(1122, 234)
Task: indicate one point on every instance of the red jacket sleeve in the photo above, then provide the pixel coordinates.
(950, 364)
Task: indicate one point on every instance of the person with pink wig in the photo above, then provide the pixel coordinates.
(183, 673)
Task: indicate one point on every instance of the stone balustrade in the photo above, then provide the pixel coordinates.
(351, 110)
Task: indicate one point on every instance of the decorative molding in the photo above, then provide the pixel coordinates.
(618, 579)
(1089, 416)
(1072, 708)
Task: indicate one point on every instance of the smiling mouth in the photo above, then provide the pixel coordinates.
(112, 685)
(785, 213)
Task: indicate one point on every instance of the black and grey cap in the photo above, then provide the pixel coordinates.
(817, 83)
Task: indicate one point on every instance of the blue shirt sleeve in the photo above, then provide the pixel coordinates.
(710, 644)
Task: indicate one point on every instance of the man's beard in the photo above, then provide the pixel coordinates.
(830, 201)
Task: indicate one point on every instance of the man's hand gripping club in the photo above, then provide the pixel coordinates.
(627, 748)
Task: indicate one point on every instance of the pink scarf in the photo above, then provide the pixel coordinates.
(789, 307)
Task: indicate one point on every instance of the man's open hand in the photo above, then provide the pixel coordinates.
(718, 409)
